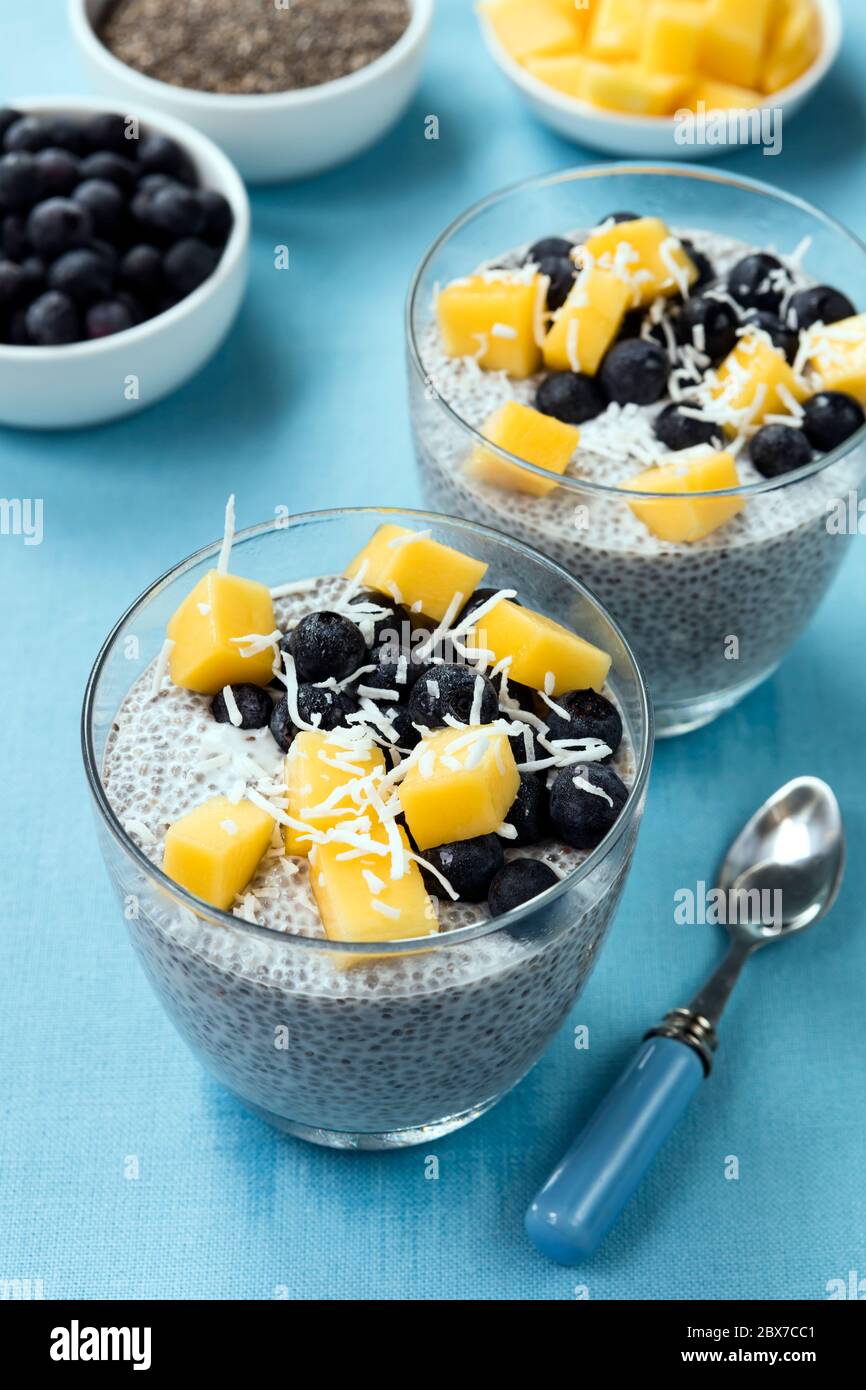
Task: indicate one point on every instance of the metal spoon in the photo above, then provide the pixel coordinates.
(782, 874)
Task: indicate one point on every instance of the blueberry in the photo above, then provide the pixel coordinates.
(635, 371)
(107, 131)
(14, 241)
(58, 225)
(571, 397)
(582, 818)
(621, 217)
(149, 184)
(58, 171)
(778, 449)
(8, 117)
(708, 324)
(517, 882)
(782, 337)
(218, 217)
(590, 716)
(517, 737)
(188, 264)
(678, 431)
(561, 273)
(703, 265)
(12, 284)
(450, 690)
(113, 168)
(52, 320)
(821, 304)
(758, 282)
(173, 212)
(469, 865)
(105, 203)
(396, 624)
(254, 706)
(67, 134)
(325, 709)
(529, 812)
(399, 718)
(480, 596)
(395, 670)
(85, 275)
(28, 134)
(830, 418)
(33, 277)
(325, 644)
(19, 182)
(556, 246)
(111, 316)
(158, 154)
(141, 273)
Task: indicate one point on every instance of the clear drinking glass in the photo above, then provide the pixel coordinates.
(708, 620)
(407, 1048)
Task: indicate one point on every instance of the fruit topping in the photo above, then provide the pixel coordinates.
(686, 518)
(413, 569)
(819, 304)
(585, 803)
(529, 813)
(778, 449)
(217, 632)
(517, 882)
(469, 865)
(838, 353)
(678, 430)
(325, 645)
(647, 255)
(496, 318)
(317, 707)
(540, 653)
(780, 335)
(317, 765)
(830, 418)
(756, 380)
(588, 322)
(455, 692)
(461, 785)
(245, 706)
(759, 281)
(635, 371)
(590, 715)
(572, 397)
(710, 325)
(530, 435)
(549, 248)
(214, 850)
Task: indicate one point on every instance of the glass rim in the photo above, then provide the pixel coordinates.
(699, 173)
(458, 935)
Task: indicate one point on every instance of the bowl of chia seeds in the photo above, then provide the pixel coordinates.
(123, 258)
(286, 87)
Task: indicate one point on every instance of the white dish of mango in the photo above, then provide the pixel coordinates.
(664, 78)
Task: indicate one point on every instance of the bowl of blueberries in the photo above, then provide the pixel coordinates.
(123, 259)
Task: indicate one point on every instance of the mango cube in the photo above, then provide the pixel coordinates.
(414, 569)
(542, 27)
(463, 784)
(566, 74)
(214, 850)
(630, 87)
(839, 355)
(316, 766)
(723, 96)
(496, 319)
(734, 39)
(538, 438)
(684, 518)
(587, 323)
(757, 378)
(794, 44)
(540, 648)
(653, 259)
(359, 901)
(617, 30)
(220, 608)
(673, 36)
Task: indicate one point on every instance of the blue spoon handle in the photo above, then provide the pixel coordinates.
(588, 1189)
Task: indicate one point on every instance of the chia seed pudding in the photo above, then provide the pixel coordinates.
(395, 1048)
(710, 617)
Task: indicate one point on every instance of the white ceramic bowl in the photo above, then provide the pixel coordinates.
(89, 383)
(652, 137)
(284, 135)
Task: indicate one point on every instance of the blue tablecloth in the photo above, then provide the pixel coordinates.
(305, 405)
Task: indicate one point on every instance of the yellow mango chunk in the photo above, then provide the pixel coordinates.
(631, 88)
(757, 377)
(220, 608)
(359, 901)
(651, 259)
(734, 39)
(685, 518)
(214, 850)
(414, 569)
(794, 44)
(587, 323)
(539, 648)
(673, 36)
(529, 30)
(463, 784)
(566, 74)
(723, 96)
(496, 319)
(538, 438)
(316, 765)
(616, 32)
(839, 356)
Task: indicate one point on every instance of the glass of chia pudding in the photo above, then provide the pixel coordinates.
(368, 820)
(656, 376)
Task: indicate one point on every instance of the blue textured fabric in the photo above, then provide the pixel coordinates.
(95, 1085)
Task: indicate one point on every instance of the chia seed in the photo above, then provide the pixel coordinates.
(251, 47)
